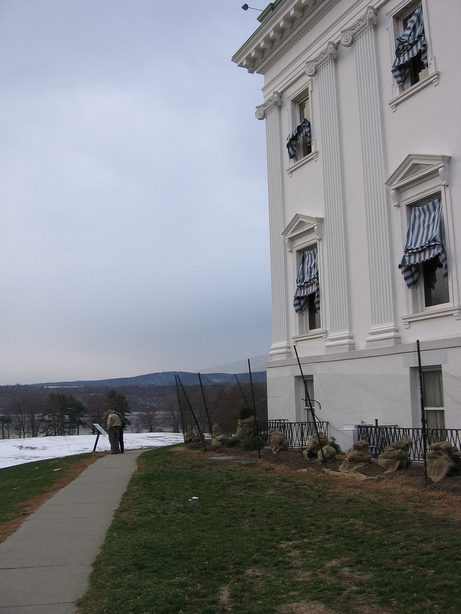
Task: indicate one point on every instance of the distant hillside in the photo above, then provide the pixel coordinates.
(166, 378)
(258, 363)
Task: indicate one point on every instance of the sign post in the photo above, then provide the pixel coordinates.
(101, 431)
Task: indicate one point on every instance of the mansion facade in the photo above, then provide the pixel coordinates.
(362, 112)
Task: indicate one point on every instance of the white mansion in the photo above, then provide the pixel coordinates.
(362, 107)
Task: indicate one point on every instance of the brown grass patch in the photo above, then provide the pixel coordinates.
(8, 528)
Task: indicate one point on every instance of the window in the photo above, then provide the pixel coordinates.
(303, 237)
(299, 142)
(307, 295)
(425, 255)
(413, 65)
(303, 413)
(433, 397)
(410, 64)
(420, 191)
(435, 285)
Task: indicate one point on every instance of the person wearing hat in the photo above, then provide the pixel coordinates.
(113, 428)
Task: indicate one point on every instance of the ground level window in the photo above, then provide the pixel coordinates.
(303, 410)
(433, 398)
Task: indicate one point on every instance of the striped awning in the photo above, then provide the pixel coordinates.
(425, 240)
(412, 41)
(302, 129)
(307, 281)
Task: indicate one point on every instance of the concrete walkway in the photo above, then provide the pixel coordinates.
(46, 564)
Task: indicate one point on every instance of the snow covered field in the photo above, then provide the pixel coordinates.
(19, 451)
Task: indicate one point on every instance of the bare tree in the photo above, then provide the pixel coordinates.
(147, 419)
(96, 407)
(5, 421)
(235, 398)
(171, 410)
(27, 414)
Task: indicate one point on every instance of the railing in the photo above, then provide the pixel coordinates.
(297, 434)
(380, 437)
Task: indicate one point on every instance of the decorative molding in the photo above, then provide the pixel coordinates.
(439, 312)
(339, 342)
(370, 19)
(443, 174)
(328, 54)
(383, 336)
(302, 226)
(432, 79)
(274, 101)
(313, 156)
(415, 169)
(277, 25)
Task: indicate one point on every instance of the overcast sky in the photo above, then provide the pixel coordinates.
(134, 227)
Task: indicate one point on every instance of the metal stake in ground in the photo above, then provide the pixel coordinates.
(241, 390)
(193, 415)
(183, 426)
(308, 399)
(423, 413)
(205, 403)
(256, 425)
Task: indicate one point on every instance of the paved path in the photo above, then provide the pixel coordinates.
(46, 564)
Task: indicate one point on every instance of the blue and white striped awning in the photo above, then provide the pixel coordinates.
(307, 281)
(425, 240)
(412, 41)
(302, 129)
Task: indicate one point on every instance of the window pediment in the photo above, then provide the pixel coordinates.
(303, 227)
(416, 168)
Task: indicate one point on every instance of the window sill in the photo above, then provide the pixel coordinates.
(432, 79)
(432, 312)
(317, 333)
(312, 156)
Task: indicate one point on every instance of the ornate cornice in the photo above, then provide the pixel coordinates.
(280, 23)
(274, 101)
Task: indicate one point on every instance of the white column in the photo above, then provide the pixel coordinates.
(281, 347)
(383, 328)
(339, 336)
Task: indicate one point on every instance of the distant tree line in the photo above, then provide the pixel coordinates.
(34, 414)
(33, 411)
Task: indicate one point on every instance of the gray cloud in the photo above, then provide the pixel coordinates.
(134, 234)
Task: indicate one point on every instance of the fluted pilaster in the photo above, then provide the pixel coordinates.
(339, 336)
(270, 111)
(383, 329)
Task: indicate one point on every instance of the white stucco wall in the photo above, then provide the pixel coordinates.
(363, 380)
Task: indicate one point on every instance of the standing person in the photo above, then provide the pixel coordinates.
(113, 428)
(122, 428)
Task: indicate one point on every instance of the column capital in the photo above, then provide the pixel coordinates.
(274, 101)
(328, 54)
(369, 19)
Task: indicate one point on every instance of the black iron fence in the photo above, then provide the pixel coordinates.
(380, 437)
(297, 434)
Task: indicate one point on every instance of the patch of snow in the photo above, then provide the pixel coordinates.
(20, 451)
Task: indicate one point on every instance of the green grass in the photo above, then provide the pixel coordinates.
(21, 484)
(257, 541)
